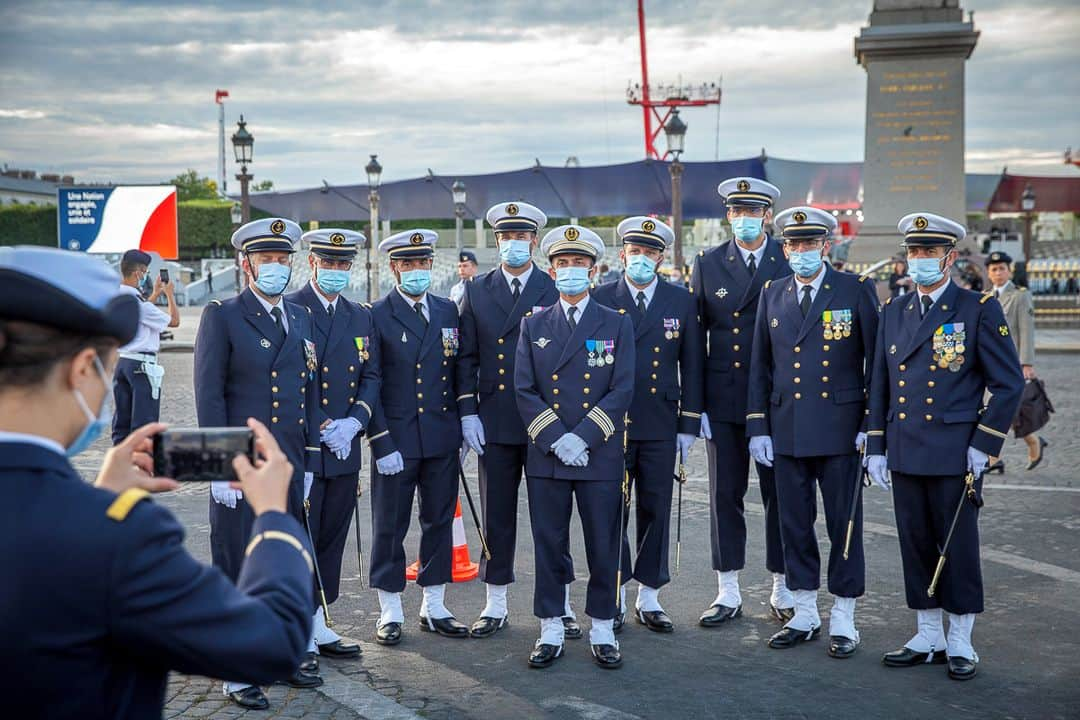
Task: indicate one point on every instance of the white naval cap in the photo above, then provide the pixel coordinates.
(572, 239)
(267, 234)
(647, 231)
(516, 217)
(417, 243)
(925, 229)
(334, 243)
(805, 222)
(748, 191)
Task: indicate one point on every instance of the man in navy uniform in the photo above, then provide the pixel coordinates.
(255, 357)
(348, 378)
(727, 282)
(805, 413)
(939, 350)
(415, 437)
(666, 409)
(491, 310)
(574, 379)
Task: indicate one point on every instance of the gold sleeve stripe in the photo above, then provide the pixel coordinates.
(687, 413)
(283, 537)
(364, 405)
(875, 432)
(373, 438)
(546, 412)
(991, 431)
(542, 421)
(755, 416)
(464, 397)
(602, 421)
(312, 449)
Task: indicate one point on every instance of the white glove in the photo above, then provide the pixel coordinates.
(568, 448)
(860, 441)
(472, 430)
(878, 469)
(309, 480)
(340, 433)
(581, 460)
(706, 431)
(685, 441)
(390, 464)
(761, 450)
(343, 452)
(977, 461)
(223, 494)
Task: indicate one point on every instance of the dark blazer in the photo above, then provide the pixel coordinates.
(670, 356)
(808, 380)
(727, 300)
(490, 323)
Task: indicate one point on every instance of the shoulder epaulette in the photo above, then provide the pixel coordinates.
(215, 302)
(308, 309)
(622, 311)
(701, 253)
(1022, 289)
(123, 504)
(768, 283)
(985, 297)
(862, 278)
(366, 304)
(888, 300)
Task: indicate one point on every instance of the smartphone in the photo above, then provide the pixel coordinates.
(164, 273)
(201, 454)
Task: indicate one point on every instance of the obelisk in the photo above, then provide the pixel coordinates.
(914, 53)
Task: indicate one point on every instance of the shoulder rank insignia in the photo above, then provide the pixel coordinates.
(541, 342)
(121, 507)
(216, 302)
(985, 297)
(768, 283)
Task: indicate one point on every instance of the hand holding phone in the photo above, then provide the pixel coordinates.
(164, 275)
(130, 464)
(265, 482)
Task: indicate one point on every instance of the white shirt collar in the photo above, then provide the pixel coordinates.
(581, 305)
(1003, 288)
(523, 278)
(412, 303)
(814, 284)
(268, 306)
(649, 290)
(756, 253)
(936, 294)
(322, 298)
(42, 442)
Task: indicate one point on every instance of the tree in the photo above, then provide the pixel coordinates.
(189, 186)
(263, 186)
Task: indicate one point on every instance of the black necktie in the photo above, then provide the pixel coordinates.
(419, 308)
(570, 317)
(641, 302)
(276, 314)
(330, 311)
(751, 264)
(805, 304)
(997, 293)
(516, 292)
(927, 301)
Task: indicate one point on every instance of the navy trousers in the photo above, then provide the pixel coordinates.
(135, 404)
(436, 481)
(728, 454)
(797, 480)
(332, 501)
(924, 508)
(501, 469)
(651, 465)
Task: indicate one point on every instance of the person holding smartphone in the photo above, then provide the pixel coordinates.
(141, 605)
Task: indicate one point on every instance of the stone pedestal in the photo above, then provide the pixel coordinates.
(914, 53)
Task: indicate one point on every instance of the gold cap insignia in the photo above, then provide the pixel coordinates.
(799, 217)
(921, 223)
(511, 209)
(337, 239)
(277, 227)
(571, 233)
(416, 238)
(648, 226)
(743, 186)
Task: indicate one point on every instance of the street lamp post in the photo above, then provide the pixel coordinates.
(374, 178)
(675, 132)
(236, 214)
(458, 192)
(243, 142)
(1027, 204)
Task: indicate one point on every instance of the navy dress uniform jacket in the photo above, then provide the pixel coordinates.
(348, 383)
(669, 386)
(558, 392)
(727, 305)
(925, 416)
(490, 324)
(417, 414)
(97, 609)
(808, 384)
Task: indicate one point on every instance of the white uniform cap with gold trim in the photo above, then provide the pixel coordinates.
(925, 229)
(805, 222)
(277, 234)
(334, 243)
(647, 231)
(572, 239)
(516, 217)
(748, 191)
(417, 243)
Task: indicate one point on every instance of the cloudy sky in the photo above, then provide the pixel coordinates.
(124, 92)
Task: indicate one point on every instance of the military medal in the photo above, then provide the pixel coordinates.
(590, 345)
(309, 355)
(404, 339)
(450, 341)
(609, 350)
(362, 348)
(948, 345)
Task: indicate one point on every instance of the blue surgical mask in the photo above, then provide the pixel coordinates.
(332, 282)
(805, 264)
(572, 280)
(415, 282)
(925, 271)
(95, 424)
(747, 229)
(641, 269)
(273, 278)
(515, 253)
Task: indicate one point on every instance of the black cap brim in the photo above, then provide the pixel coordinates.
(31, 299)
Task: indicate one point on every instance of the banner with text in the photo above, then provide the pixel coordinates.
(116, 219)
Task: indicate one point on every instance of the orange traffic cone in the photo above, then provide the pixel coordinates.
(464, 569)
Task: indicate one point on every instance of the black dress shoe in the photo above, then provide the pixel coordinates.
(998, 467)
(251, 698)
(1032, 464)
(784, 615)
(310, 664)
(340, 649)
(543, 655)
(906, 657)
(447, 626)
(841, 647)
(488, 626)
(960, 668)
(718, 615)
(618, 622)
(790, 637)
(607, 656)
(655, 620)
(304, 680)
(571, 629)
(388, 634)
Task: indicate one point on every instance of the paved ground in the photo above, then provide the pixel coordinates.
(1026, 638)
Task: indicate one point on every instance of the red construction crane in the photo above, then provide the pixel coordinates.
(675, 96)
